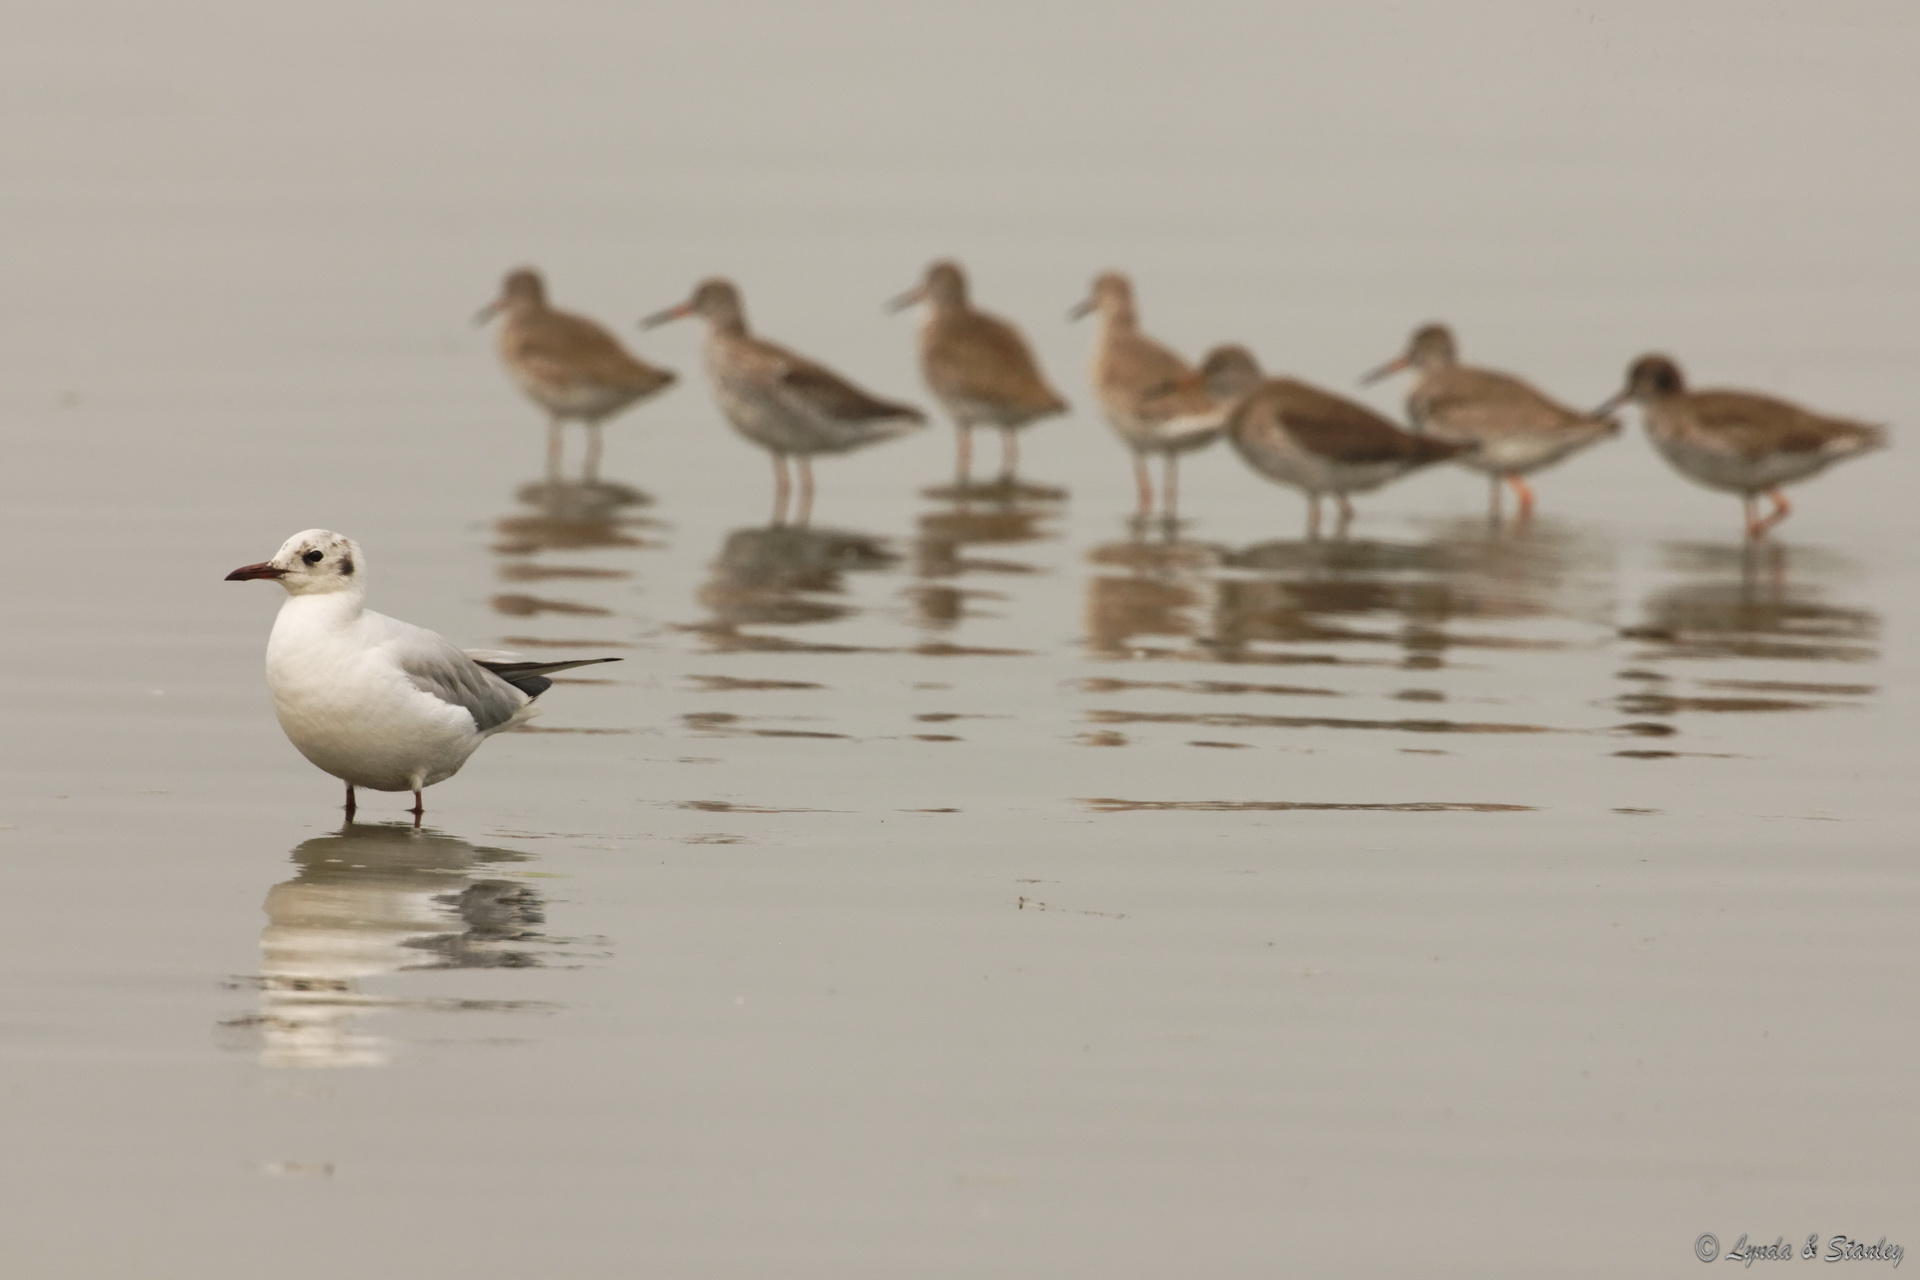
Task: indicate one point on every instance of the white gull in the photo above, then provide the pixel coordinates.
(372, 700)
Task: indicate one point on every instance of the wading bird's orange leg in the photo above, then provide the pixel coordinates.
(1757, 525)
(1781, 510)
(1524, 492)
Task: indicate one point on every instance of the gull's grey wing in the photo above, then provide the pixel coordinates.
(451, 676)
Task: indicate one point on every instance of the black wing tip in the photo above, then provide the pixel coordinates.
(530, 678)
(501, 667)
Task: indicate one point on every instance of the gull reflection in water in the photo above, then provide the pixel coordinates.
(370, 901)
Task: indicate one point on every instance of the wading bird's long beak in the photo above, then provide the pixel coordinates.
(901, 302)
(1081, 308)
(489, 311)
(1386, 370)
(248, 572)
(658, 318)
(1614, 402)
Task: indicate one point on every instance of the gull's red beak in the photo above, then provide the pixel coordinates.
(248, 572)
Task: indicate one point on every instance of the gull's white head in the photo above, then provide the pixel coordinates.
(312, 562)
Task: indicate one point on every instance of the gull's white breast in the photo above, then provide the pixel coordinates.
(346, 702)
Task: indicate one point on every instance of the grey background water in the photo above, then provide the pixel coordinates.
(954, 890)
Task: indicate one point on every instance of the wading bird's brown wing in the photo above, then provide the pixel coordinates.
(979, 358)
(819, 392)
(1479, 404)
(1139, 376)
(1342, 431)
(559, 349)
(1756, 425)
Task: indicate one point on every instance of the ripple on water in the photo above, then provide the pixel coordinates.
(739, 684)
(526, 606)
(1247, 720)
(1104, 804)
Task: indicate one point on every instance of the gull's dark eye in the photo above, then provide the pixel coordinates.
(313, 557)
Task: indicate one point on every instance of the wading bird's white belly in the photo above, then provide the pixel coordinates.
(1275, 455)
(1732, 471)
(578, 398)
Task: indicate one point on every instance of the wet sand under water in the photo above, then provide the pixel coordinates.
(964, 884)
(1020, 888)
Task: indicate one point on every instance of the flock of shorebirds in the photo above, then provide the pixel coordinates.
(984, 374)
(383, 704)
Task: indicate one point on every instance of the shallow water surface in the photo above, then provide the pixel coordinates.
(969, 882)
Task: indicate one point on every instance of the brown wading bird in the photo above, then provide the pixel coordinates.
(1299, 435)
(1150, 395)
(1518, 429)
(567, 364)
(1738, 441)
(978, 367)
(785, 403)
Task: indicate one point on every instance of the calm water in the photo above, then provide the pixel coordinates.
(955, 888)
